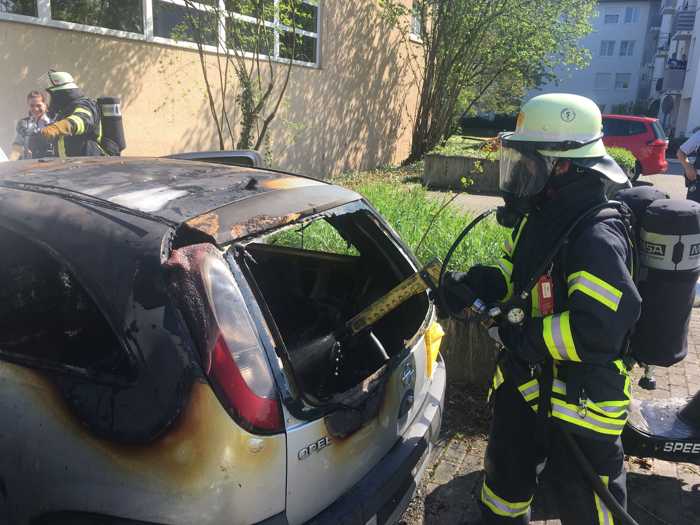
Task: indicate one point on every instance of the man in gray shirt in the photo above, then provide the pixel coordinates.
(690, 147)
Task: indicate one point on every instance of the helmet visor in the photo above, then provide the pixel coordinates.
(523, 171)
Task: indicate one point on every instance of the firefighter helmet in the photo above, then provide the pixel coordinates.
(59, 81)
(550, 127)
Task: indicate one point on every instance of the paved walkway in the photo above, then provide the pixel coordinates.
(660, 493)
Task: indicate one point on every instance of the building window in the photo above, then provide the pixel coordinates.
(602, 80)
(607, 48)
(626, 48)
(611, 18)
(19, 7)
(631, 15)
(416, 19)
(266, 27)
(622, 80)
(122, 15)
(182, 23)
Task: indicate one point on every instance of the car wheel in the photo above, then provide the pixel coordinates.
(634, 176)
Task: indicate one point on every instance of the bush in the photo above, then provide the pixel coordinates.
(459, 146)
(624, 158)
(409, 209)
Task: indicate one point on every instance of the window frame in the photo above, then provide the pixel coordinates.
(628, 47)
(629, 81)
(607, 14)
(636, 15)
(44, 19)
(610, 46)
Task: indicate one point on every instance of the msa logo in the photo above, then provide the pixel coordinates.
(655, 249)
(685, 448)
(313, 448)
(694, 250)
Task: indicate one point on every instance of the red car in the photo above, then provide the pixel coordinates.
(643, 136)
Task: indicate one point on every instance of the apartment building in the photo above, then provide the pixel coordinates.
(621, 46)
(675, 76)
(348, 106)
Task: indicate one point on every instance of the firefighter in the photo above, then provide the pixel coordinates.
(76, 130)
(566, 352)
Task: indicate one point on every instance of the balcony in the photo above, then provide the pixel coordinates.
(683, 25)
(674, 78)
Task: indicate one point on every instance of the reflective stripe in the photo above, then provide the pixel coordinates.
(558, 386)
(605, 517)
(83, 111)
(558, 338)
(61, 146)
(530, 390)
(587, 419)
(609, 408)
(497, 381)
(595, 288)
(501, 507)
(506, 269)
(78, 123)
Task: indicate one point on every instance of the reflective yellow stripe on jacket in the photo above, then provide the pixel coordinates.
(556, 331)
(595, 288)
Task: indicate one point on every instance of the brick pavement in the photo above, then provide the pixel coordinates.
(660, 493)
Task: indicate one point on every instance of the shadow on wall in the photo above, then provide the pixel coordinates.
(153, 81)
(352, 113)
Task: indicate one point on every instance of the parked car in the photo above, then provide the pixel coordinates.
(163, 349)
(643, 136)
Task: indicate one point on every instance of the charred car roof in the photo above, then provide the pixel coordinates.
(223, 202)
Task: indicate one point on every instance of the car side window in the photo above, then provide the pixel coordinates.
(636, 128)
(47, 317)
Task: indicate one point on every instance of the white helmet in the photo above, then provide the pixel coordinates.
(549, 127)
(59, 81)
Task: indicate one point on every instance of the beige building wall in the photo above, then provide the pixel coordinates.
(353, 112)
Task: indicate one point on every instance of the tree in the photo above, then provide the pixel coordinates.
(471, 49)
(239, 41)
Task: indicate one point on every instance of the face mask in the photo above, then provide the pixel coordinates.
(515, 208)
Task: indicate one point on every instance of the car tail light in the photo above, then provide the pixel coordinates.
(238, 366)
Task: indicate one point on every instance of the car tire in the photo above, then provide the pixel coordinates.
(634, 176)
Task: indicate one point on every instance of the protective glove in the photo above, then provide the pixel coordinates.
(457, 294)
(514, 338)
(57, 129)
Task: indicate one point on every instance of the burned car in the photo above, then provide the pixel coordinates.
(167, 349)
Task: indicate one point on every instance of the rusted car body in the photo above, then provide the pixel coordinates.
(157, 354)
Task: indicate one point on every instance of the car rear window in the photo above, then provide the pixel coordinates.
(47, 317)
(659, 132)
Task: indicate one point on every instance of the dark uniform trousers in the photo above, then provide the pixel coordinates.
(514, 460)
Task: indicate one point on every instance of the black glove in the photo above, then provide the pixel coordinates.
(457, 294)
(515, 339)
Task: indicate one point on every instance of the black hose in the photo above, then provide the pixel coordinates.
(450, 253)
(596, 483)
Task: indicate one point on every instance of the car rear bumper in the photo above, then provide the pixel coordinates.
(384, 493)
(651, 166)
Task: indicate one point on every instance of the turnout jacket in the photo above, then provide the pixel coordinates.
(595, 307)
(83, 115)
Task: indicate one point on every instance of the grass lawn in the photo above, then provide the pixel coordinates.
(410, 210)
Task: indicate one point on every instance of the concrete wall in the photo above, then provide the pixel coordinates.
(354, 111)
(582, 82)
